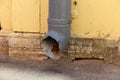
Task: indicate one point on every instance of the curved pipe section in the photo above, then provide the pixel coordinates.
(58, 36)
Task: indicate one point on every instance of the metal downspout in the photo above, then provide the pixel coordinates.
(58, 36)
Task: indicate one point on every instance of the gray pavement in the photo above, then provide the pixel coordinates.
(58, 70)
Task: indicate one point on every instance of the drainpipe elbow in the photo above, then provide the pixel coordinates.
(58, 36)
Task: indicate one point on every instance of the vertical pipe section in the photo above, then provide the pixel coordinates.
(58, 36)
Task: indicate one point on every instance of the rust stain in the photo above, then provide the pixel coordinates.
(55, 49)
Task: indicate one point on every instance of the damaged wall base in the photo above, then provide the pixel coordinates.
(21, 45)
(93, 48)
(27, 46)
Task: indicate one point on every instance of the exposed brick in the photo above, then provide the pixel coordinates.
(28, 45)
(93, 48)
(4, 33)
(30, 35)
(25, 46)
(4, 48)
(25, 53)
(24, 42)
(12, 34)
(3, 42)
(25, 35)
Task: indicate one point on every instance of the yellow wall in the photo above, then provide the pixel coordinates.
(6, 14)
(30, 15)
(96, 18)
(26, 15)
(44, 16)
(90, 18)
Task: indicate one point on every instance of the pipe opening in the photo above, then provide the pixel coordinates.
(51, 47)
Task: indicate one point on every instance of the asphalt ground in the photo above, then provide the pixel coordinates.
(86, 69)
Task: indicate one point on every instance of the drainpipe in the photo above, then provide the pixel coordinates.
(58, 36)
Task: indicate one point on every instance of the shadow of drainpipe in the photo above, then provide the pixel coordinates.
(58, 36)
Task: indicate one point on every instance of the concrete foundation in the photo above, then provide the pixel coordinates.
(28, 46)
(93, 48)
